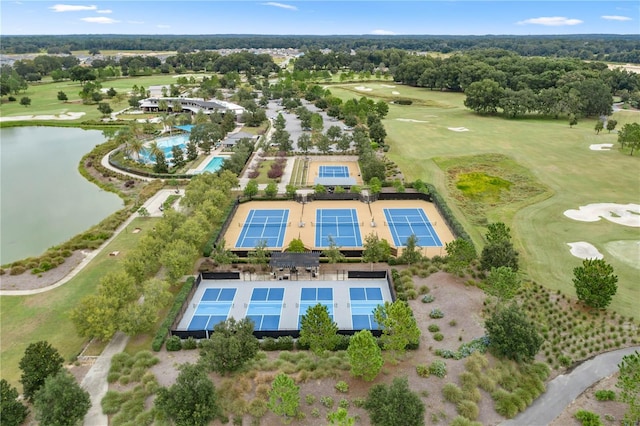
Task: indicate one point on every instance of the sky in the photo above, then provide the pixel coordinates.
(329, 17)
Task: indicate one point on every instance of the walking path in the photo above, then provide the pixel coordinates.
(564, 389)
(105, 163)
(153, 207)
(95, 382)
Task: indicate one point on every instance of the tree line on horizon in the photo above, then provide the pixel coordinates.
(610, 47)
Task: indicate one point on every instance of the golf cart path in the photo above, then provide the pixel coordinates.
(564, 389)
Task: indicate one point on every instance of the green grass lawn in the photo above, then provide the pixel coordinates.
(44, 97)
(555, 154)
(264, 168)
(45, 316)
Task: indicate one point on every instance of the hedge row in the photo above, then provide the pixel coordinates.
(210, 244)
(163, 331)
(447, 214)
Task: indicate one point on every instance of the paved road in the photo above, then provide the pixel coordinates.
(564, 389)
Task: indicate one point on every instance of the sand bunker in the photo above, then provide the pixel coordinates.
(62, 116)
(458, 129)
(363, 89)
(395, 92)
(601, 147)
(387, 85)
(626, 251)
(622, 214)
(584, 250)
(411, 120)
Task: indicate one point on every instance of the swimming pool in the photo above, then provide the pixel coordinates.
(166, 144)
(214, 165)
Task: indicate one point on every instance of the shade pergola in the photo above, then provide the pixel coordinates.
(294, 260)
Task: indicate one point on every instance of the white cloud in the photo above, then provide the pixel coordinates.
(616, 18)
(71, 7)
(99, 20)
(163, 26)
(551, 21)
(104, 11)
(382, 32)
(280, 5)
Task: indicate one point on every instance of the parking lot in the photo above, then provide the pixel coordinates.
(293, 123)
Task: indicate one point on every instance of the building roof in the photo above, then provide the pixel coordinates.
(241, 135)
(297, 260)
(335, 181)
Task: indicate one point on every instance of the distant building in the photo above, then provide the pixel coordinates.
(234, 138)
(193, 105)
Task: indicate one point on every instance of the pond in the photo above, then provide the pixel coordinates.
(44, 199)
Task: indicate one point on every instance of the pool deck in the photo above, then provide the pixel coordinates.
(215, 153)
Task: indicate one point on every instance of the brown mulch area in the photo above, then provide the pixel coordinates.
(458, 302)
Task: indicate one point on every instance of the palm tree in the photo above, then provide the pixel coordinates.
(200, 118)
(163, 105)
(133, 148)
(136, 128)
(168, 121)
(176, 106)
(154, 150)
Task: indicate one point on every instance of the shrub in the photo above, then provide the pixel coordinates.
(163, 331)
(17, 270)
(268, 344)
(587, 418)
(452, 393)
(310, 399)
(436, 313)
(438, 337)
(111, 402)
(427, 298)
(284, 343)
(564, 360)
(468, 409)
(434, 328)
(174, 343)
(189, 343)
(344, 403)
(359, 402)
(258, 408)
(438, 368)
(342, 386)
(605, 395)
(505, 405)
(327, 401)
(422, 370)
(463, 421)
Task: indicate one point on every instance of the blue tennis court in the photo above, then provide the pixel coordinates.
(265, 308)
(406, 222)
(311, 296)
(213, 308)
(363, 301)
(333, 171)
(340, 224)
(264, 225)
